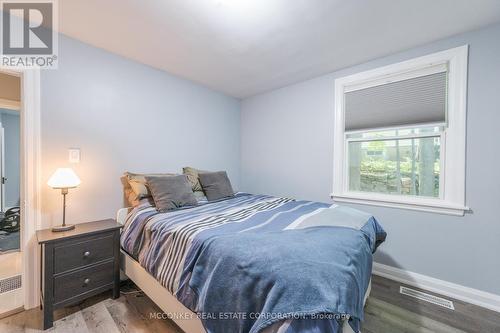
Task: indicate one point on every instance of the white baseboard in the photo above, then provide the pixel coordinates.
(462, 293)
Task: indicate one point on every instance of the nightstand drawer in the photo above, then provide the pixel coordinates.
(81, 252)
(83, 281)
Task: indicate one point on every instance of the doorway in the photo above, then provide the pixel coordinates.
(11, 291)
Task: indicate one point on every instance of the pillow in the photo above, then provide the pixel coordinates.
(192, 175)
(200, 196)
(216, 185)
(137, 183)
(130, 198)
(193, 178)
(171, 192)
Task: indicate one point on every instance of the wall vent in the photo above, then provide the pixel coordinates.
(10, 284)
(427, 297)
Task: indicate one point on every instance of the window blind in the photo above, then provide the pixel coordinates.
(407, 102)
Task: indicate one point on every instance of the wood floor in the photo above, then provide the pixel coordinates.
(386, 312)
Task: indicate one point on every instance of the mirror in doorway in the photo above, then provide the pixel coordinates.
(9, 180)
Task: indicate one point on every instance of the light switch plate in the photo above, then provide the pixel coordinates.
(74, 155)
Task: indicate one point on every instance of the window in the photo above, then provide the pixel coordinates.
(400, 134)
(397, 161)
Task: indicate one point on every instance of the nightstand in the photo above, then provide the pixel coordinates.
(77, 264)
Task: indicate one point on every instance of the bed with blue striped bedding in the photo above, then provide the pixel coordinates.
(255, 262)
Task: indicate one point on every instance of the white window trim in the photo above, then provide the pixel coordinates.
(453, 191)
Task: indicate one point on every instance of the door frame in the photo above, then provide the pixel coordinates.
(30, 180)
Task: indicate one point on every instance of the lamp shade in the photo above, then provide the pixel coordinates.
(64, 178)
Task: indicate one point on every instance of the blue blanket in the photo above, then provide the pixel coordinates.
(245, 263)
(311, 271)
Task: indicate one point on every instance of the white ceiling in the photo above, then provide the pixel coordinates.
(245, 47)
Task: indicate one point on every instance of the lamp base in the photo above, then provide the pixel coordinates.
(63, 227)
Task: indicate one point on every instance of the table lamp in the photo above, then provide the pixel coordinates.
(64, 179)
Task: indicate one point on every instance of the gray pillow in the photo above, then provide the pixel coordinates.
(171, 192)
(216, 185)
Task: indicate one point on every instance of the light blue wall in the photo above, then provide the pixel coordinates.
(10, 123)
(287, 149)
(127, 116)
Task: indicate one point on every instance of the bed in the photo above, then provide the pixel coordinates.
(253, 263)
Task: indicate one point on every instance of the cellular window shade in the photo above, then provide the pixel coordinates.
(412, 101)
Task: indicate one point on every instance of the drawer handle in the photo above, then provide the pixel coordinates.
(86, 281)
(86, 254)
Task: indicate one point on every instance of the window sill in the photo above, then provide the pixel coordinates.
(429, 205)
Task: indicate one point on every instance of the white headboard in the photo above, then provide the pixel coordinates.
(121, 215)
